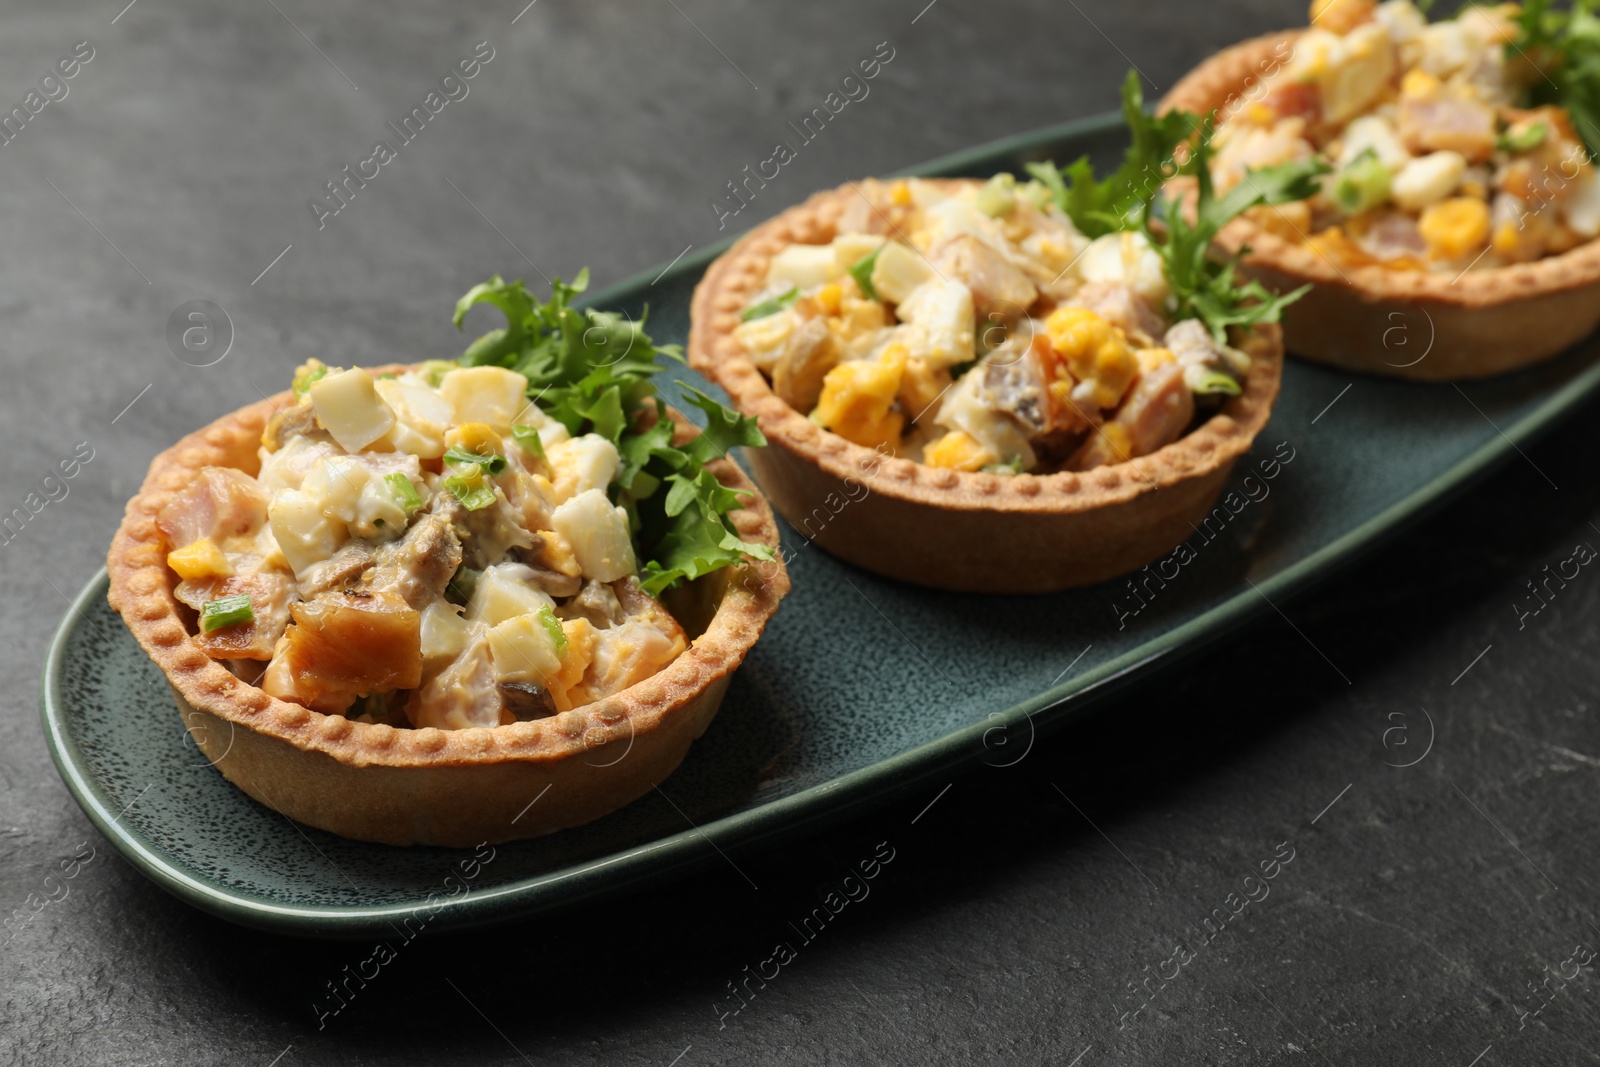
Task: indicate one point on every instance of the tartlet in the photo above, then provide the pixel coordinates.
(964, 530)
(1443, 319)
(452, 787)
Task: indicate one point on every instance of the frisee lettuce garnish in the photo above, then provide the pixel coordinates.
(1564, 45)
(1099, 207)
(1131, 198)
(1204, 287)
(592, 371)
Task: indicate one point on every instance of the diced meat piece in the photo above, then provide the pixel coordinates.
(808, 356)
(1155, 413)
(298, 420)
(527, 700)
(221, 502)
(1011, 380)
(1001, 292)
(1393, 235)
(597, 602)
(1439, 123)
(1248, 147)
(342, 570)
(487, 535)
(1295, 100)
(269, 594)
(559, 583)
(464, 694)
(419, 565)
(1119, 305)
(876, 210)
(351, 643)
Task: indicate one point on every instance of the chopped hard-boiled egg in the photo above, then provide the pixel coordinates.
(858, 396)
(764, 339)
(445, 634)
(803, 266)
(1126, 258)
(851, 248)
(598, 533)
(942, 324)
(524, 650)
(898, 271)
(199, 560)
(1456, 227)
(421, 417)
(958, 450)
(503, 592)
(305, 534)
(1428, 180)
(350, 409)
(490, 395)
(1096, 352)
(581, 464)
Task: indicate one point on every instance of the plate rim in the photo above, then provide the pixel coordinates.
(826, 802)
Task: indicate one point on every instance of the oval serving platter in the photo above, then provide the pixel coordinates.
(862, 690)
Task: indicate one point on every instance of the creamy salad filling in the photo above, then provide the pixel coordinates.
(1441, 158)
(421, 549)
(975, 327)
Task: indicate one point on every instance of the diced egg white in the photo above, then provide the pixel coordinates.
(1428, 180)
(851, 248)
(598, 532)
(287, 467)
(445, 634)
(583, 463)
(421, 417)
(305, 535)
(523, 651)
(803, 266)
(1583, 206)
(1126, 258)
(491, 395)
(503, 592)
(350, 409)
(941, 318)
(898, 270)
(764, 339)
(1378, 135)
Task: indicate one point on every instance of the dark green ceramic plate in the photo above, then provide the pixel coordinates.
(861, 691)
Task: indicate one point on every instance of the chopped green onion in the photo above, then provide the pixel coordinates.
(1214, 382)
(387, 376)
(1010, 466)
(470, 490)
(552, 628)
(1524, 140)
(433, 370)
(1036, 193)
(528, 439)
(226, 611)
(491, 463)
(862, 273)
(462, 585)
(304, 382)
(998, 196)
(1363, 184)
(405, 494)
(771, 305)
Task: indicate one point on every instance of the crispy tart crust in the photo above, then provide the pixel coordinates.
(429, 786)
(959, 530)
(1380, 321)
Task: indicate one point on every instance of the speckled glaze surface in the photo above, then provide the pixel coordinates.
(861, 690)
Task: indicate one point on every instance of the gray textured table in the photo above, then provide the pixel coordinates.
(1420, 907)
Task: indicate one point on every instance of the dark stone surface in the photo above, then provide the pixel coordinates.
(1416, 911)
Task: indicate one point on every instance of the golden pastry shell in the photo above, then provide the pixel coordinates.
(1417, 324)
(430, 786)
(959, 530)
